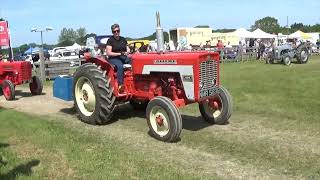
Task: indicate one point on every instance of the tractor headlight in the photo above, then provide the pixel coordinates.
(201, 85)
(214, 81)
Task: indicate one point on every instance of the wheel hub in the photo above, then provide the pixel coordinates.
(85, 95)
(214, 106)
(159, 120)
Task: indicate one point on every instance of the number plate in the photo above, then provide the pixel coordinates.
(209, 92)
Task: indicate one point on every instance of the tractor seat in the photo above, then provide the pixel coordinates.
(127, 66)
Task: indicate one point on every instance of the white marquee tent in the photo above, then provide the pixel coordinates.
(259, 34)
(243, 33)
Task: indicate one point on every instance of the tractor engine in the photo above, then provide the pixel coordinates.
(184, 77)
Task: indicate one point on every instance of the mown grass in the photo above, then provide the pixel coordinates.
(56, 152)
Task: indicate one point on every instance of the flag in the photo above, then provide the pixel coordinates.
(4, 34)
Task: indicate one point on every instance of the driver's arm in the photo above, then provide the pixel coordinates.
(128, 50)
(110, 53)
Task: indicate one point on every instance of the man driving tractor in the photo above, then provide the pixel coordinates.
(117, 51)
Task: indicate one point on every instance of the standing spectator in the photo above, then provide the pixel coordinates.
(96, 51)
(228, 45)
(261, 49)
(220, 47)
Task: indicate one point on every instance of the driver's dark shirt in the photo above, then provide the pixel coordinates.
(117, 45)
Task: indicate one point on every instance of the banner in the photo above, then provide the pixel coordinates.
(4, 34)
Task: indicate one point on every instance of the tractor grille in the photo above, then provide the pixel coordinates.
(208, 77)
(25, 71)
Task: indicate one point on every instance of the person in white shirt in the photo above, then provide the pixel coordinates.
(96, 51)
(228, 45)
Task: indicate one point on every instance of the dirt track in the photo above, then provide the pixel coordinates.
(44, 104)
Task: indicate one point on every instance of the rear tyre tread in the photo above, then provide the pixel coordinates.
(105, 99)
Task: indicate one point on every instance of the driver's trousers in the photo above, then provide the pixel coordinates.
(118, 62)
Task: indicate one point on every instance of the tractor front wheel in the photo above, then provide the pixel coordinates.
(36, 86)
(303, 55)
(93, 95)
(8, 90)
(218, 108)
(286, 60)
(164, 119)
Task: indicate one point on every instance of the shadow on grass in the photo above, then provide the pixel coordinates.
(121, 112)
(193, 123)
(23, 169)
(24, 94)
(4, 145)
(3, 160)
(70, 111)
(126, 112)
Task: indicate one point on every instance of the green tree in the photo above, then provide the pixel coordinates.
(202, 26)
(23, 48)
(67, 37)
(223, 30)
(267, 24)
(1, 19)
(82, 32)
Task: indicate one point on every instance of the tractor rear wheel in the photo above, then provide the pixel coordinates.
(164, 119)
(303, 55)
(218, 108)
(93, 95)
(8, 90)
(36, 86)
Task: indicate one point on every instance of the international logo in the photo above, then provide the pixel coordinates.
(165, 61)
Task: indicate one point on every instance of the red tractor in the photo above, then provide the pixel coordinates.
(13, 73)
(159, 82)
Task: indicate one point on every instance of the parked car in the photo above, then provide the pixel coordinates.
(64, 55)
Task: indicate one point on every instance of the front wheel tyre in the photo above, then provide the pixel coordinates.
(8, 90)
(218, 108)
(164, 119)
(36, 86)
(286, 60)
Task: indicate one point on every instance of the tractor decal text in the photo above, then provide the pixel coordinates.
(187, 78)
(165, 61)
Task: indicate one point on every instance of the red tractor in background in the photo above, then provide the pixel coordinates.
(13, 73)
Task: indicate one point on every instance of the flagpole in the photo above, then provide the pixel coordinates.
(10, 48)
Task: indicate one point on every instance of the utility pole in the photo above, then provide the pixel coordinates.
(288, 25)
(42, 68)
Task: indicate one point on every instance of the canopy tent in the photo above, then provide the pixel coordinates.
(75, 47)
(299, 35)
(259, 34)
(243, 33)
(34, 50)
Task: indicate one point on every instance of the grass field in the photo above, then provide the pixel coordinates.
(274, 133)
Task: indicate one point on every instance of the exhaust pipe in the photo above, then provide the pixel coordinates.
(159, 35)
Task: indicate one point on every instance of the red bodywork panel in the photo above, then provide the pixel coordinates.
(18, 72)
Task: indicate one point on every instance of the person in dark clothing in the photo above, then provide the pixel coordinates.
(117, 51)
(261, 49)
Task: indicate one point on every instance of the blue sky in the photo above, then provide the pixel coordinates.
(137, 17)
